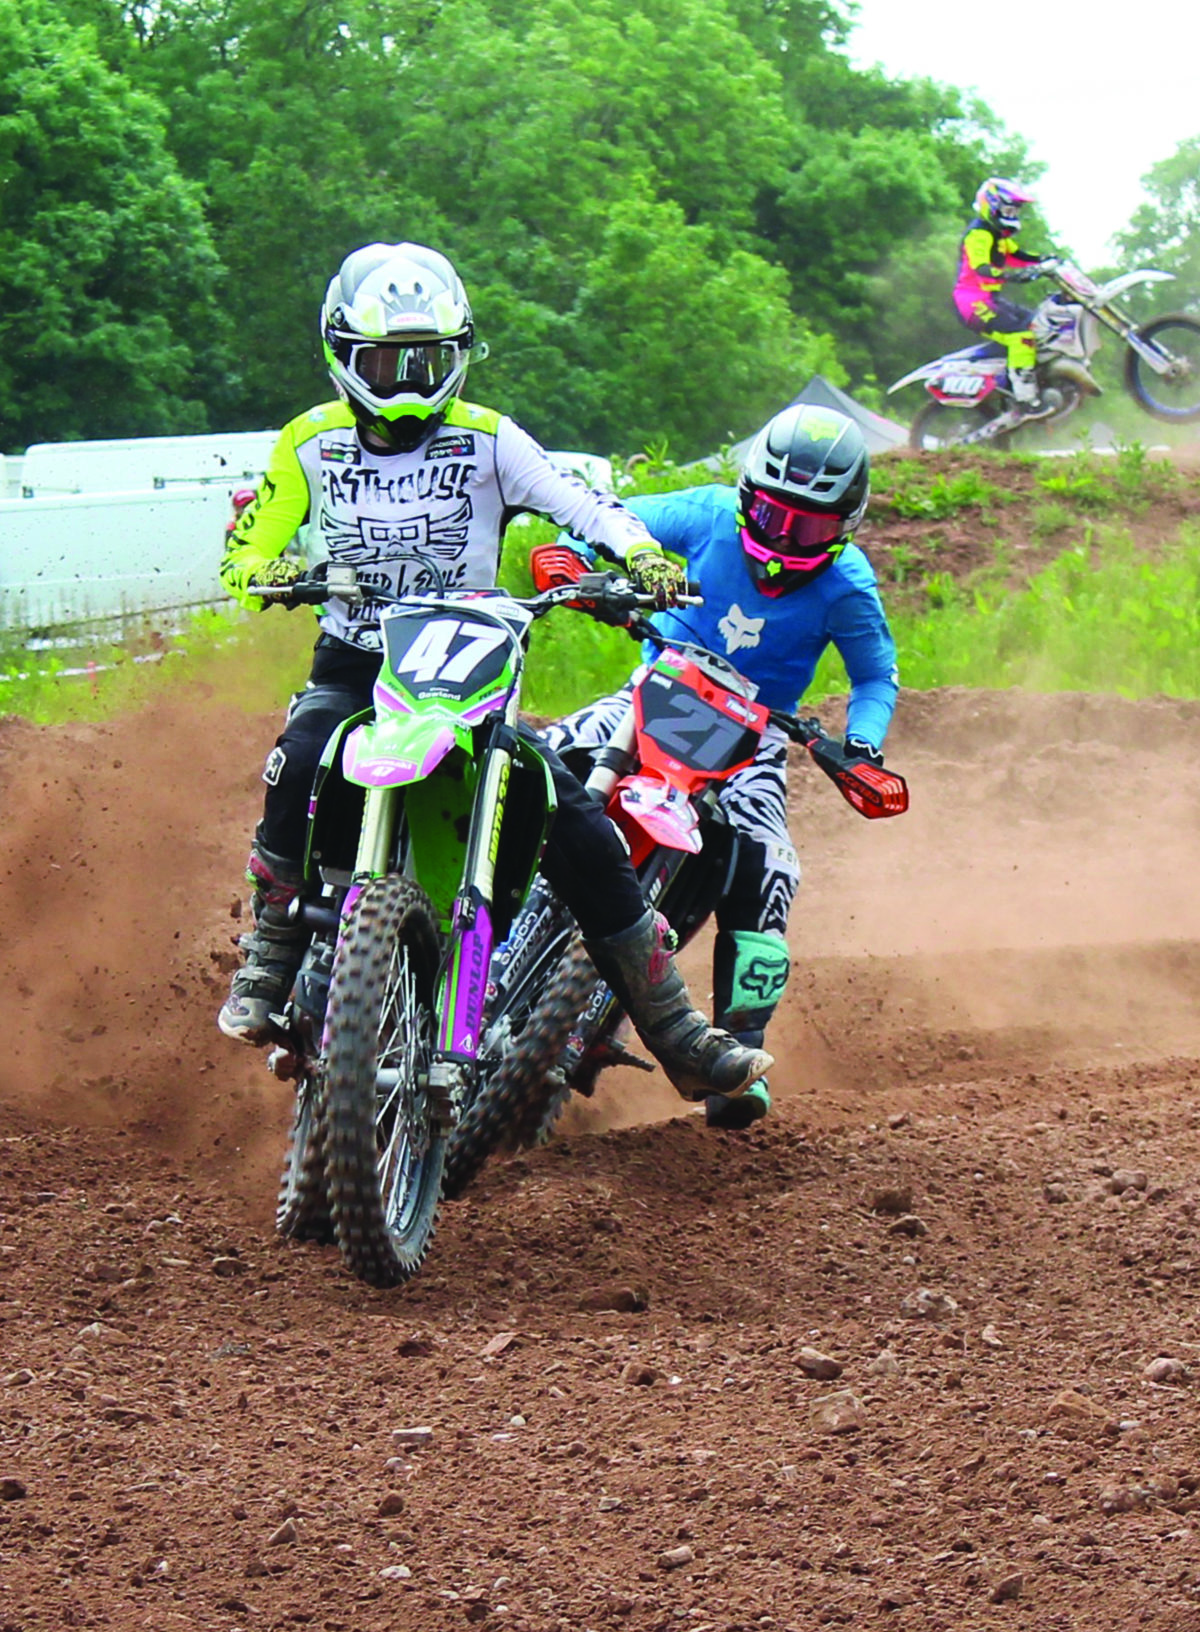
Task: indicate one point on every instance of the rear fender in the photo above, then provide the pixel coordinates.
(925, 372)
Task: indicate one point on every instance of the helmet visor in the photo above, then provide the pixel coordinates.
(790, 535)
(395, 370)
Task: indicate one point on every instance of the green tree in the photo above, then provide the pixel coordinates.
(667, 339)
(1165, 230)
(109, 322)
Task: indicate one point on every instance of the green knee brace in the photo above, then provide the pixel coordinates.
(750, 971)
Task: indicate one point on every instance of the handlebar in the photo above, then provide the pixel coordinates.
(607, 596)
(873, 791)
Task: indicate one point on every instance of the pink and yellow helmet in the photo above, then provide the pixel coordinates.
(999, 201)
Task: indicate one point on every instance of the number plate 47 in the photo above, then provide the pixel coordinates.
(439, 656)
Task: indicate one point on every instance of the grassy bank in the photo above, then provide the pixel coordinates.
(1102, 617)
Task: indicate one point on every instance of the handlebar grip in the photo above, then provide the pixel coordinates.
(302, 592)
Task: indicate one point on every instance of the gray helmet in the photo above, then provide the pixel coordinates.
(397, 335)
(803, 491)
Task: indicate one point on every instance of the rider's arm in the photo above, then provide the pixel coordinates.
(859, 629)
(980, 250)
(670, 519)
(268, 525)
(530, 480)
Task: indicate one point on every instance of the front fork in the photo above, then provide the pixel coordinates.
(463, 990)
(1161, 362)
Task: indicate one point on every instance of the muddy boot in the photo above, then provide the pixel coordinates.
(750, 970)
(733, 1115)
(1027, 397)
(274, 950)
(638, 966)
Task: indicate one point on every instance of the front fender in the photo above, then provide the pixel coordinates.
(400, 749)
(1129, 280)
(662, 811)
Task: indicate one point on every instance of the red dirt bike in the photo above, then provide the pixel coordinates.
(552, 1024)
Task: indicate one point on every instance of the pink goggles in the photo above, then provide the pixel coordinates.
(780, 529)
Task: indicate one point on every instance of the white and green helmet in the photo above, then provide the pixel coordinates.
(397, 334)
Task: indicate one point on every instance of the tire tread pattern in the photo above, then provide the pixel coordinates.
(519, 1101)
(302, 1211)
(389, 910)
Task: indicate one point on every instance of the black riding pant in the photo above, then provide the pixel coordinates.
(585, 862)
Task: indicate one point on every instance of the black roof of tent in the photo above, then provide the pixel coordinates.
(878, 433)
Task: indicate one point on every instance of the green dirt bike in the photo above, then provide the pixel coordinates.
(427, 821)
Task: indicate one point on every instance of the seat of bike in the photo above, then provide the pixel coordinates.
(975, 354)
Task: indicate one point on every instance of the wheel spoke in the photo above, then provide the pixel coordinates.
(403, 1060)
(1173, 394)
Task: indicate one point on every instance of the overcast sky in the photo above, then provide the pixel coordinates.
(1099, 93)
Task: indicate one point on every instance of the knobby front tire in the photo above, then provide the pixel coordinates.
(525, 1093)
(302, 1211)
(384, 1146)
(1175, 399)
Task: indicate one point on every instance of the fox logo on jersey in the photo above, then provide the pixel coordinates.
(739, 630)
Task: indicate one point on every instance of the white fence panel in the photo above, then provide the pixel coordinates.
(120, 529)
(144, 462)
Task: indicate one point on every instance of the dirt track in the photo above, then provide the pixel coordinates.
(989, 1089)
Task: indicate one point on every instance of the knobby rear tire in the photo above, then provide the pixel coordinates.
(384, 1147)
(939, 425)
(302, 1211)
(519, 1103)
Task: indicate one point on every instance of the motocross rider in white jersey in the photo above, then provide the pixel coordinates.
(402, 468)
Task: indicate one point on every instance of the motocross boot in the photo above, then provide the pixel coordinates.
(638, 966)
(274, 950)
(750, 971)
(1027, 397)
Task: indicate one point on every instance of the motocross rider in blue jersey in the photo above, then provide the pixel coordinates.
(781, 580)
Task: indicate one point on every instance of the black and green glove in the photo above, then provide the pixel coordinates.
(655, 574)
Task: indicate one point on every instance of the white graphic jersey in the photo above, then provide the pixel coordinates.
(391, 516)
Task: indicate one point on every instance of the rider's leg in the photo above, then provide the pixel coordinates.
(586, 864)
(1010, 325)
(588, 727)
(750, 956)
(274, 947)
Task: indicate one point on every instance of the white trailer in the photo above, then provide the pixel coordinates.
(117, 529)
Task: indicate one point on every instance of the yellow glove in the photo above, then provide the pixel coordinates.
(655, 575)
(276, 574)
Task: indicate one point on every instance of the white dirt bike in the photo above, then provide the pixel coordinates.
(970, 397)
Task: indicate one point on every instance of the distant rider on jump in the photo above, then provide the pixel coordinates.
(989, 257)
(781, 579)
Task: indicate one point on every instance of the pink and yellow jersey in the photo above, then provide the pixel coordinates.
(985, 253)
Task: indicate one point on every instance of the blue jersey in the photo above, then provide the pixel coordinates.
(775, 641)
